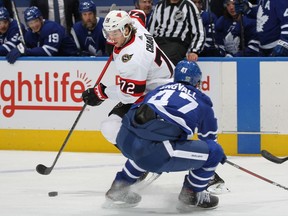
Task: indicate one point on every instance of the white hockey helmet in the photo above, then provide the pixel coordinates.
(116, 20)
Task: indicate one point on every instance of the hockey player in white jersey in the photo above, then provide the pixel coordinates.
(141, 66)
(272, 28)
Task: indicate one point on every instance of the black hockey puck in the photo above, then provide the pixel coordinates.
(52, 193)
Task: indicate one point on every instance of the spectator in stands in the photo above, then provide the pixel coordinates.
(236, 34)
(177, 27)
(146, 6)
(7, 4)
(209, 20)
(272, 25)
(87, 33)
(9, 32)
(64, 12)
(43, 38)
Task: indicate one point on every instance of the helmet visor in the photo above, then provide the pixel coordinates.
(112, 35)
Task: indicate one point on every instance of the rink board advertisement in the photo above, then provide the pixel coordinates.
(40, 99)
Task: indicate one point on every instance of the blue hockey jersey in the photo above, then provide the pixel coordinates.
(92, 42)
(11, 38)
(52, 40)
(228, 36)
(209, 21)
(272, 20)
(185, 106)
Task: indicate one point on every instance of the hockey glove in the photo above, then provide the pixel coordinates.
(94, 96)
(16, 53)
(242, 7)
(281, 49)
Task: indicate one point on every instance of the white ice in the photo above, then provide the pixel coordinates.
(81, 180)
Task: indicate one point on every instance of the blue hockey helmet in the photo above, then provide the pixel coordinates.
(86, 6)
(187, 72)
(32, 13)
(4, 14)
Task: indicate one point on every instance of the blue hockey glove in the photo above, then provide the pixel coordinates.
(94, 96)
(281, 49)
(16, 53)
(242, 7)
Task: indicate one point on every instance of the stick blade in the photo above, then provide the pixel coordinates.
(112, 7)
(42, 169)
(271, 157)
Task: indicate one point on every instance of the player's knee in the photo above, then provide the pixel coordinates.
(216, 154)
(110, 128)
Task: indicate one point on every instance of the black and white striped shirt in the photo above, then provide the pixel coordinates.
(181, 20)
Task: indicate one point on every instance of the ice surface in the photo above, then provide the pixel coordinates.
(82, 179)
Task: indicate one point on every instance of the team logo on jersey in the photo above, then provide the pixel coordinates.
(179, 16)
(261, 19)
(126, 58)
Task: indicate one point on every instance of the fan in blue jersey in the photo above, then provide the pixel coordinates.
(9, 32)
(236, 33)
(209, 21)
(155, 134)
(43, 38)
(272, 28)
(87, 33)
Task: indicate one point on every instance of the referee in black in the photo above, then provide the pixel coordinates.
(177, 27)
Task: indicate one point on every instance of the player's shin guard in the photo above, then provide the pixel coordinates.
(130, 173)
(193, 192)
(198, 179)
(216, 185)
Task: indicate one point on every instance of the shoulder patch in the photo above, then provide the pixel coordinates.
(126, 58)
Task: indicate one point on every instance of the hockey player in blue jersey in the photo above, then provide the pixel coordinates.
(209, 21)
(228, 32)
(272, 28)
(9, 32)
(155, 136)
(43, 38)
(87, 33)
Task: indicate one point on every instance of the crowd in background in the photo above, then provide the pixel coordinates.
(181, 28)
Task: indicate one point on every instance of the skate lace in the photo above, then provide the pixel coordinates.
(203, 196)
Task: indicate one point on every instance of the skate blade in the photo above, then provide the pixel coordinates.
(218, 189)
(183, 208)
(110, 204)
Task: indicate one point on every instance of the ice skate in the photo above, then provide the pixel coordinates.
(189, 200)
(217, 185)
(120, 196)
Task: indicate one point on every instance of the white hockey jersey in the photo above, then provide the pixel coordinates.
(141, 67)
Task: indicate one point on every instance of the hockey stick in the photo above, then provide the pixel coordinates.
(112, 7)
(73, 33)
(18, 21)
(256, 175)
(272, 157)
(42, 169)
(242, 32)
